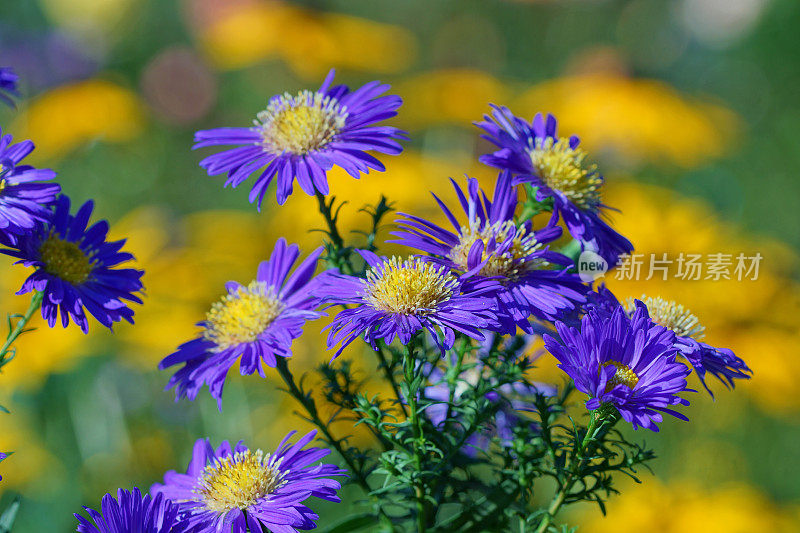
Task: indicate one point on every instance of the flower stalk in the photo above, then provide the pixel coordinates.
(412, 385)
(19, 328)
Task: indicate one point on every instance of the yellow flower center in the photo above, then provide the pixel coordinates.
(410, 287)
(671, 315)
(562, 169)
(2, 178)
(239, 481)
(511, 263)
(242, 316)
(624, 375)
(65, 259)
(300, 124)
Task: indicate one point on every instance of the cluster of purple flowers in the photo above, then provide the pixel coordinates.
(492, 273)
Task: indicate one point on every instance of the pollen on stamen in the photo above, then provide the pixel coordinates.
(671, 315)
(239, 481)
(65, 259)
(563, 168)
(623, 376)
(242, 316)
(509, 262)
(301, 123)
(410, 287)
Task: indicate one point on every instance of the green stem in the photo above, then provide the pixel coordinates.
(532, 206)
(412, 386)
(552, 510)
(528, 211)
(36, 303)
(339, 256)
(454, 374)
(387, 370)
(311, 408)
(572, 477)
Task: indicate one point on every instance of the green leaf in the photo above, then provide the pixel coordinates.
(353, 523)
(8, 516)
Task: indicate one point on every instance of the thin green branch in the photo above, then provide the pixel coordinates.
(412, 387)
(338, 253)
(598, 419)
(389, 373)
(311, 408)
(19, 328)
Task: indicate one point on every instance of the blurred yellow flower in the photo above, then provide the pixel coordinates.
(318, 41)
(684, 507)
(633, 119)
(71, 115)
(772, 353)
(246, 34)
(309, 41)
(454, 96)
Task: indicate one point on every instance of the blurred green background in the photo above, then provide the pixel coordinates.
(690, 107)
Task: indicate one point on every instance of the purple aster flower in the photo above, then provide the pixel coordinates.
(722, 363)
(556, 167)
(304, 136)
(75, 268)
(8, 85)
(23, 200)
(623, 360)
(252, 323)
(513, 399)
(233, 488)
(399, 297)
(533, 280)
(131, 512)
